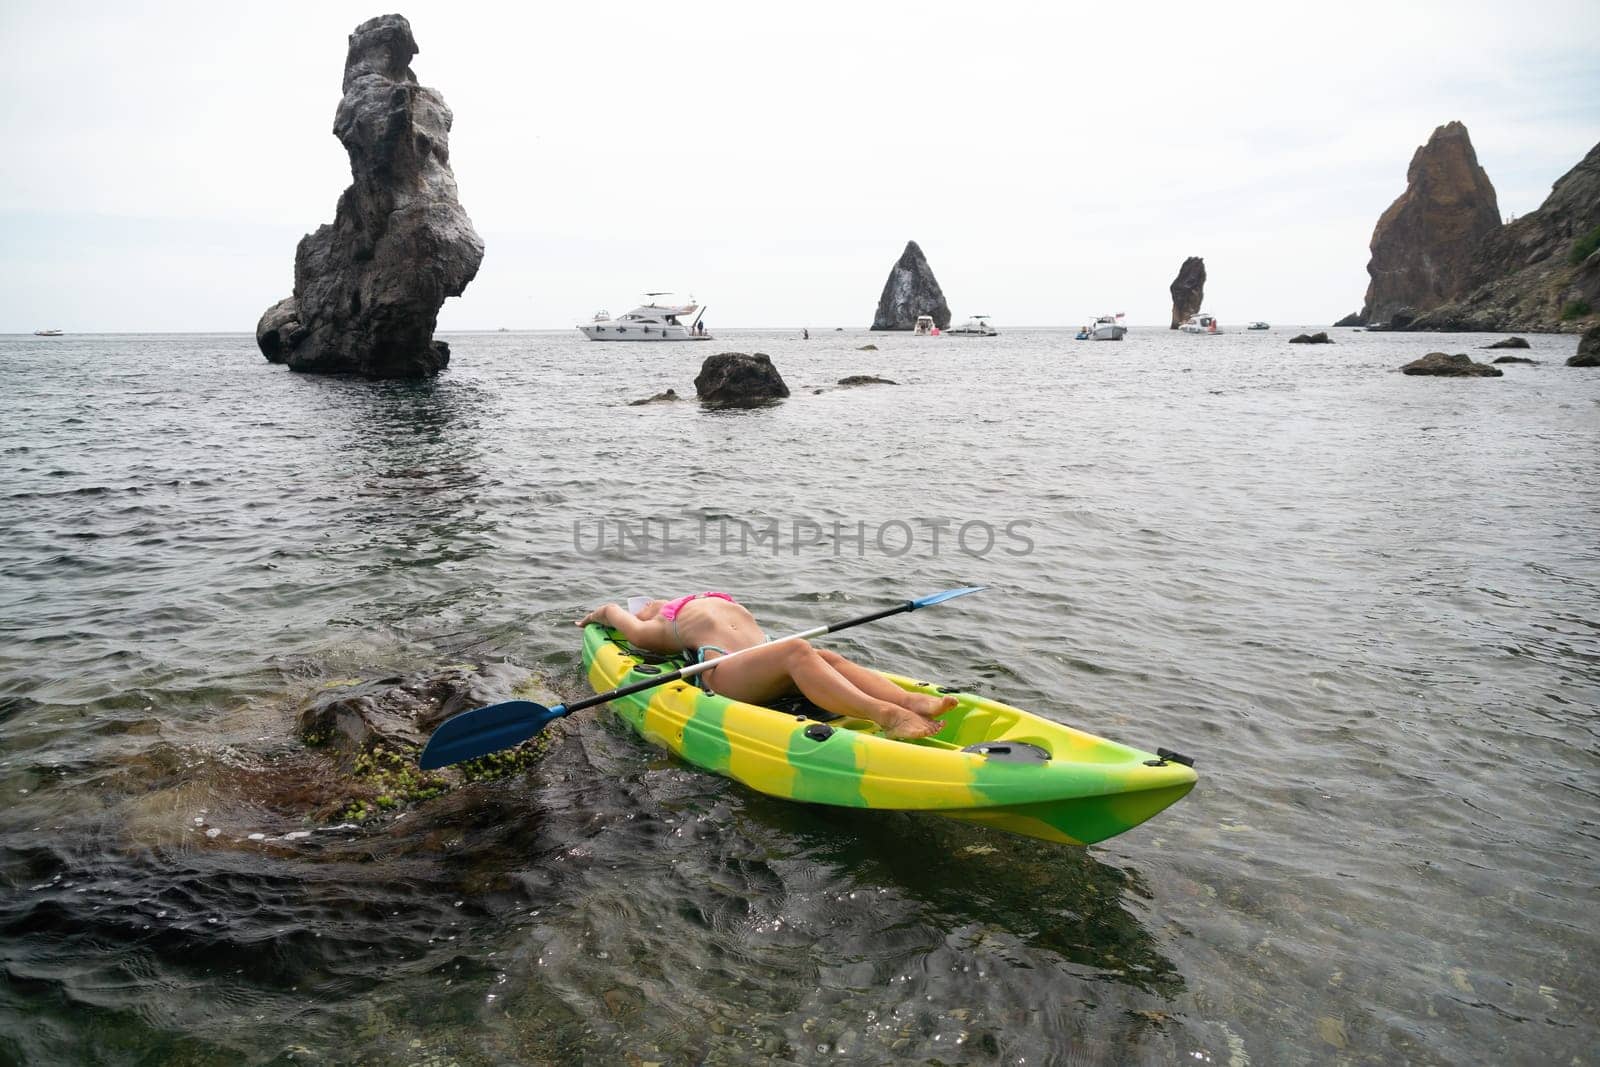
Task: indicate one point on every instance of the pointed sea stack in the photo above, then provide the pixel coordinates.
(1540, 272)
(911, 290)
(1188, 290)
(1422, 246)
(368, 287)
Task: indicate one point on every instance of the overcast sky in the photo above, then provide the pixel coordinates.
(162, 160)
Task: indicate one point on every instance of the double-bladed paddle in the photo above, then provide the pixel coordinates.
(484, 730)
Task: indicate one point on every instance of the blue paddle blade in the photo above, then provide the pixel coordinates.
(948, 594)
(484, 730)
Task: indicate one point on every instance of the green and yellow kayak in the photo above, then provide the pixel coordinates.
(991, 764)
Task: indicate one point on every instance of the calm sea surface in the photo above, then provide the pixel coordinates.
(1366, 603)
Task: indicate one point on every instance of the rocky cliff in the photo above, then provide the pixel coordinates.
(1541, 272)
(911, 290)
(1188, 290)
(1422, 246)
(368, 287)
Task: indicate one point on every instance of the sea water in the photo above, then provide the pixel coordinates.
(1366, 603)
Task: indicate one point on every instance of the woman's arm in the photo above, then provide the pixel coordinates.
(656, 635)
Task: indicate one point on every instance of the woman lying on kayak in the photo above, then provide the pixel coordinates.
(714, 624)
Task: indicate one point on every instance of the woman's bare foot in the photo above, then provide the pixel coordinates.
(928, 705)
(904, 723)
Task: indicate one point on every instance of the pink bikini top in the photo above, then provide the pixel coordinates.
(670, 609)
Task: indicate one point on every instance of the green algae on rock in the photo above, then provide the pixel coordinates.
(372, 731)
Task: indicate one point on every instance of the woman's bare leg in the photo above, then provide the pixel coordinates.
(874, 684)
(761, 675)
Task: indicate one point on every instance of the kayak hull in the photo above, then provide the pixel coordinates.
(1088, 789)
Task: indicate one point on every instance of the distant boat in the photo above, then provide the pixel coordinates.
(975, 327)
(1108, 328)
(47, 333)
(1260, 326)
(649, 322)
(925, 327)
(1206, 324)
(1082, 334)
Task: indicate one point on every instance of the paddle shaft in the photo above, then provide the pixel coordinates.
(698, 668)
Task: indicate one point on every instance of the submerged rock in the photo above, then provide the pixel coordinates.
(1422, 245)
(1510, 342)
(1319, 338)
(735, 379)
(867, 348)
(666, 397)
(1459, 365)
(866, 379)
(911, 290)
(402, 711)
(368, 287)
(1588, 354)
(1514, 359)
(1188, 290)
(373, 731)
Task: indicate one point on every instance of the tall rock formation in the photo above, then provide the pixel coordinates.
(911, 290)
(1188, 290)
(368, 287)
(1422, 246)
(1539, 272)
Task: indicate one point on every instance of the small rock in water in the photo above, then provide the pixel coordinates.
(1510, 342)
(737, 379)
(1588, 354)
(1459, 365)
(866, 379)
(668, 396)
(1319, 338)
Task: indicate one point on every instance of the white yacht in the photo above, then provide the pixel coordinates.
(925, 327)
(1202, 324)
(650, 322)
(977, 326)
(47, 333)
(1108, 328)
(1260, 326)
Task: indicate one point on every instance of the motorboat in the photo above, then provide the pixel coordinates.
(975, 327)
(1207, 324)
(1082, 334)
(1260, 326)
(650, 322)
(1108, 328)
(47, 333)
(925, 327)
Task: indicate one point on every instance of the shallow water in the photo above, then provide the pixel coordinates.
(1366, 603)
